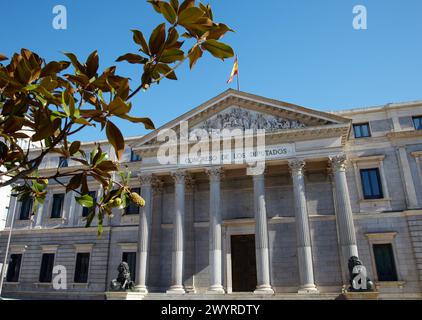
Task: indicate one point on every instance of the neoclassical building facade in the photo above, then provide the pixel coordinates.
(332, 185)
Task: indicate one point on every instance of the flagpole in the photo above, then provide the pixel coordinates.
(237, 74)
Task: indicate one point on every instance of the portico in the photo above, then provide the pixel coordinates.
(221, 231)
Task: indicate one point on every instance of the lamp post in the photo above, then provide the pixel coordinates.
(3, 269)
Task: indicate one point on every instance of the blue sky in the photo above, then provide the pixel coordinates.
(300, 51)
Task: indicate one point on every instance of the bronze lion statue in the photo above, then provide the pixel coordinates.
(123, 281)
(359, 281)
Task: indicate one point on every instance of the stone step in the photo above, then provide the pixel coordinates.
(242, 296)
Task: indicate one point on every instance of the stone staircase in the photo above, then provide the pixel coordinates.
(242, 296)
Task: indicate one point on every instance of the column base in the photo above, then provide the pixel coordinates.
(265, 289)
(308, 289)
(217, 289)
(141, 289)
(176, 290)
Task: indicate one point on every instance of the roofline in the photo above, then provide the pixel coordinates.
(378, 108)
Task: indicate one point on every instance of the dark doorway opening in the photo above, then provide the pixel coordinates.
(243, 263)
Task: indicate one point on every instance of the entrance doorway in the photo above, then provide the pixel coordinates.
(243, 263)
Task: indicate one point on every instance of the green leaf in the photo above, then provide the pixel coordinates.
(186, 4)
(116, 139)
(89, 219)
(74, 147)
(219, 31)
(157, 38)
(118, 106)
(168, 12)
(92, 64)
(74, 182)
(149, 125)
(132, 58)
(139, 38)
(107, 166)
(172, 55)
(175, 5)
(54, 67)
(194, 55)
(218, 49)
(190, 15)
(74, 61)
(165, 70)
(85, 201)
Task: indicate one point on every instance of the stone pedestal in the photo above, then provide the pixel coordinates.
(124, 295)
(361, 295)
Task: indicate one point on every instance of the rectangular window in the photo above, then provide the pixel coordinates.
(130, 258)
(81, 268)
(384, 261)
(47, 264)
(57, 207)
(361, 130)
(26, 208)
(371, 183)
(14, 268)
(417, 122)
(63, 163)
(134, 157)
(133, 208)
(87, 211)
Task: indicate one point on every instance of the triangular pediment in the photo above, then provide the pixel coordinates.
(239, 110)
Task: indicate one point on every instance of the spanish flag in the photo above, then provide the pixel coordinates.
(235, 70)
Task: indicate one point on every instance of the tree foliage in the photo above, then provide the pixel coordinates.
(49, 102)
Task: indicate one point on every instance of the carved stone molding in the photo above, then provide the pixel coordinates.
(215, 173)
(338, 162)
(239, 118)
(146, 179)
(296, 166)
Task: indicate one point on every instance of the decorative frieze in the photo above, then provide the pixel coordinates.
(240, 118)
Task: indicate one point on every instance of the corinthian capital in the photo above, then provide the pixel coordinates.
(296, 166)
(179, 176)
(215, 173)
(145, 179)
(338, 162)
(157, 185)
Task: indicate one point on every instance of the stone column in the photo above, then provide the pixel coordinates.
(72, 210)
(189, 266)
(215, 240)
(261, 237)
(304, 251)
(407, 177)
(178, 234)
(345, 224)
(145, 216)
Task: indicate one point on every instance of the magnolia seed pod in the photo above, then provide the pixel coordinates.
(137, 199)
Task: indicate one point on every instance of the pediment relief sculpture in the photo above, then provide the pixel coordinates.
(238, 118)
